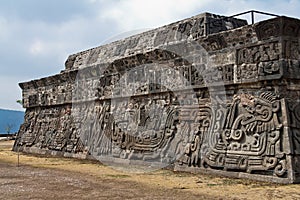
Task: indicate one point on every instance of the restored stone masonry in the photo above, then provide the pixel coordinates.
(205, 94)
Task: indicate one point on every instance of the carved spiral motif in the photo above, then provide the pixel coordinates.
(265, 113)
(280, 169)
(270, 162)
(232, 134)
(237, 134)
(227, 134)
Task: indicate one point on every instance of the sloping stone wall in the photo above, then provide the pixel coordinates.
(202, 94)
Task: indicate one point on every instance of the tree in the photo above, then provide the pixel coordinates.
(8, 128)
(20, 102)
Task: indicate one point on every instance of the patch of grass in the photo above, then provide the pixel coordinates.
(232, 181)
(117, 175)
(212, 184)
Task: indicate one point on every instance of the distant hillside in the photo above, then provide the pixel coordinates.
(10, 117)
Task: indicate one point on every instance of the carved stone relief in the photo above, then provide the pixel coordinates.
(258, 62)
(251, 138)
(233, 108)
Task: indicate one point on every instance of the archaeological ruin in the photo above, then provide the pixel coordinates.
(208, 94)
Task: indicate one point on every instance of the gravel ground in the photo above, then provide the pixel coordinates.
(44, 177)
(28, 182)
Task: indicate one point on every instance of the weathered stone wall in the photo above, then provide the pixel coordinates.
(193, 94)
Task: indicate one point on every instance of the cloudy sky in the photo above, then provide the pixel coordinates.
(36, 36)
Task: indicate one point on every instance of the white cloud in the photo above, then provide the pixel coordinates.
(37, 47)
(133, 14)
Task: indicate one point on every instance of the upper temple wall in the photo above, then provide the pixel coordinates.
(188, 29)
(250, 53)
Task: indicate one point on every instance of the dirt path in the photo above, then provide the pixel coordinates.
(61, 178)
